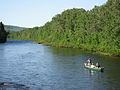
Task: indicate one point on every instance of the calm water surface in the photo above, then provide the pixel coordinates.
(40, 67)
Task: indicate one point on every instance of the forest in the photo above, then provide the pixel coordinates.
(97, 30)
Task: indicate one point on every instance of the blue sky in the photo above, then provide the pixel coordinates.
(31, 13)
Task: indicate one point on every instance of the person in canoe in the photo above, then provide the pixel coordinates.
(89, 62)
(97, 65)
(92, 66)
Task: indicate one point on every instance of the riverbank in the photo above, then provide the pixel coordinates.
(95, 30)
(70, 45)
(79, 47)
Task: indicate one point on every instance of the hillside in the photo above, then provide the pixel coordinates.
(97, 30)
(13, 28)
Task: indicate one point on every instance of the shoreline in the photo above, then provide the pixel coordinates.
(94, 52)
(60, 46)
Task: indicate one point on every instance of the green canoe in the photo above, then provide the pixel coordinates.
(95, 69)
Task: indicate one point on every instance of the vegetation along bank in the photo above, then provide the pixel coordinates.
(96, 30)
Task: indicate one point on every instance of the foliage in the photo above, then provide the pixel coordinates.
(3, 33)
(96, 30)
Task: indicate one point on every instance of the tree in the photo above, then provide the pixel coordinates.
(3, 33)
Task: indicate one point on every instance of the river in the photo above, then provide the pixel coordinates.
(26, 65)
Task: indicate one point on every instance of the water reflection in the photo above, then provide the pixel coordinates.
(67, 51)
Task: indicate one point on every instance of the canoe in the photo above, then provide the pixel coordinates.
(101, 69)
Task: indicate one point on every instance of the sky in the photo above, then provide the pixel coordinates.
(32, 13)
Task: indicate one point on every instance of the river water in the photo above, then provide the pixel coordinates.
(39, 67)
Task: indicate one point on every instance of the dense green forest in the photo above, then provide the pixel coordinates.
(97, 30)
(3, 33)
